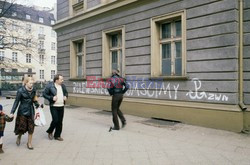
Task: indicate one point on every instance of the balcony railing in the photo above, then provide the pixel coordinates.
(41, 36)
(41, 50)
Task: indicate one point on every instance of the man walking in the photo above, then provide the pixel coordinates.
(117, 87)
(56, 93)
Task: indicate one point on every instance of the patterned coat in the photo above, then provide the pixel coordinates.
(3, 119)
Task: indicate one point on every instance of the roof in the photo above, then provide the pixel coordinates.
(22, 11)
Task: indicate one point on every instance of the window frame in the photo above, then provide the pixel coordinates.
(107, 51)
(14, 57)
(2, 55)
(73, 58)
(28, 58)
(156, 42)
(41, 74)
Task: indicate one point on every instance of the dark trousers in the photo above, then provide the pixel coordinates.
(115, 106)
(57, 120)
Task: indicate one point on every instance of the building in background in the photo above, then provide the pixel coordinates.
(28, 43)
(185, 61)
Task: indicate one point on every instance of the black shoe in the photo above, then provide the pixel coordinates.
(112, 128)
(124, 124)
(50, 136)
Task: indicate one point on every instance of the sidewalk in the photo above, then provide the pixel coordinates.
(142, 142)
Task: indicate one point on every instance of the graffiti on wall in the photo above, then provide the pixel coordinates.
(150, 89)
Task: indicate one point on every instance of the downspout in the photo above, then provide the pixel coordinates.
(240, 57)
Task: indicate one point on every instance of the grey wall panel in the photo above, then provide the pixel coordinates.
(247, 39)
(246, 63)
(246, 14)
(212, 66)
(212, 19)
(247, 51)
(63, 49)
(63, 54)
(63, 60)
(94, 64)
(93, 3)
(212, 8)
(138, 60)
(214, 76)
(138, 69)
(137, 51)
(210, 42)
(94, 56)
(247, 98)
(220, 29)
(215, 53)
(96, 49)
(138, 34)
(247, 27)
(246, 4)
(93, 43)
(94, 71)
(62, 9)
(138, 42)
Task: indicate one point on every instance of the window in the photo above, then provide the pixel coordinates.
(1, 41)
(41, 30)
(28, 28)
(28, 58)
(28, 42)
(41, 59)
(78, 6)
(53, 33)
(168, 45)
(14, 56)
(113, 51)
(41, 75)
(53, 73)
(14, 14)
(53, 60)
(52, 22)
(53, 46)
(27, 16)
(77, 58)
(14, 40)
(2, 23)
(41, 45)
(1, 55)
(14, 25)
(40, 19)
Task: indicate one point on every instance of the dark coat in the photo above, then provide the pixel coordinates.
(25, 101)
(50, 91)
(3, 119)
(117, 85)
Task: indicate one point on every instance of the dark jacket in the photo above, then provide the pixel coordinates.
(3, 119)
(26, 100)
(117, 85)
(50, 91)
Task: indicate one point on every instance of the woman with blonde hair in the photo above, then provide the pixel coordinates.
(25, 98)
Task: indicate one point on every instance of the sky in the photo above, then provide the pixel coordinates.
(41, 3)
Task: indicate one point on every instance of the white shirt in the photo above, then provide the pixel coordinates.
(59, 102)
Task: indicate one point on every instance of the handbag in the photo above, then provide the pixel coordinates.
(40, 119)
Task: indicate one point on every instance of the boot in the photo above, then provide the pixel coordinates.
(1, 149)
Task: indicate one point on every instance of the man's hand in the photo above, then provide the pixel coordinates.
(11, 115)
(64, 98)
(54, 98)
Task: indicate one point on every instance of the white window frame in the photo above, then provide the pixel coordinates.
(41, 19)
(28, 58)
(107, 51)
(74, 58)
(28, 16)
(41, 74)
(156, 53)
(2, 54)
(53, 73)
(41, 59)
(53, 46)
(53, 60)
(14, 57)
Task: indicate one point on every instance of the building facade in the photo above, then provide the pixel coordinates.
(185, 60)
(28, 44)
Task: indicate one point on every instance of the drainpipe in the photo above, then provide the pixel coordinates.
(240, 71)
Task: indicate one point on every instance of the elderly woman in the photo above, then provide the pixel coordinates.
(25, 98)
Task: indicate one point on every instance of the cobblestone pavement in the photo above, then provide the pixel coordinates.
(142, 142)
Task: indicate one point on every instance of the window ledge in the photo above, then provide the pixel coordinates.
(77, 79)
(169, 78)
